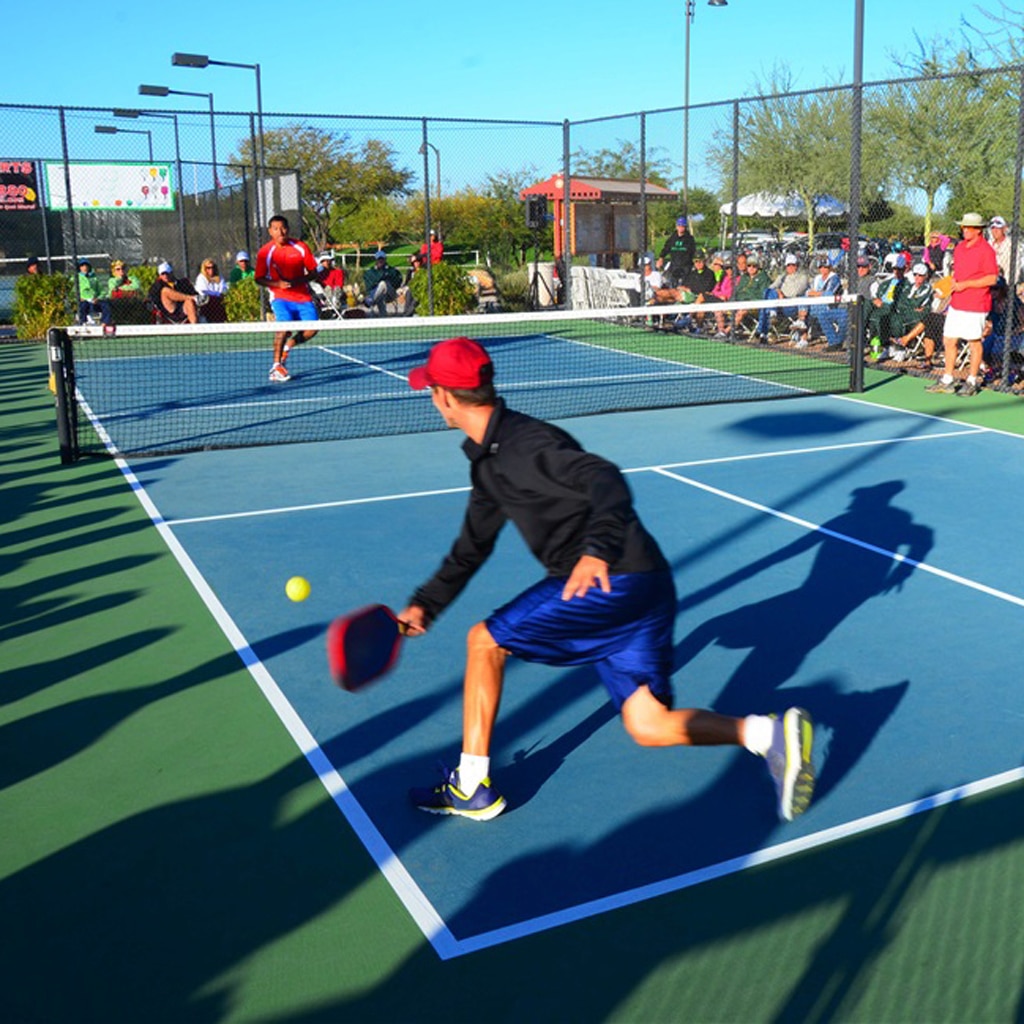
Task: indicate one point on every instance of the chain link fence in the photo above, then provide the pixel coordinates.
(771, 171)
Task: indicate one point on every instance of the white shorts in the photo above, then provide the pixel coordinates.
(964, 325)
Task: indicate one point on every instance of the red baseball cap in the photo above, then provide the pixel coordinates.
(455, 363)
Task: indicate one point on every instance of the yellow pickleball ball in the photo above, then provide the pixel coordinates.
(297, 588)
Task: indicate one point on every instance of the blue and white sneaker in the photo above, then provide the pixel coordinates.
(447, 798)
(789, 762)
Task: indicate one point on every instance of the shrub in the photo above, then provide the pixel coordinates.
(242, 301)
(513, 287)
(453, 290)
(42, 301)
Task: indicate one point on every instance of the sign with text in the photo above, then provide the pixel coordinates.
(123, 186)
(18, 187)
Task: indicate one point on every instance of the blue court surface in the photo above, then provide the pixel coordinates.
(828, 553)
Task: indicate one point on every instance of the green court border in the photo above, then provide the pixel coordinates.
(168, 854)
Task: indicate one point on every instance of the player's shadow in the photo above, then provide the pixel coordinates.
(867, 551)
(287, 640)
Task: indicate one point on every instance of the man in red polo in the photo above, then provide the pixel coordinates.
(975, 271)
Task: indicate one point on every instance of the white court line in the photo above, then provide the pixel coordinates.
(317, 505)
(765, 855)
(923, 415)
(895, 556)
(845, 446)
(422, 911)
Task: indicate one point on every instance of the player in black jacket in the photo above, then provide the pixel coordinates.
(608, 598)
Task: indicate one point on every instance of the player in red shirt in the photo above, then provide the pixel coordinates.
(286, 266)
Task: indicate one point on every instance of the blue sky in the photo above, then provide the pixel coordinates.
(455, 60)
(416, 59)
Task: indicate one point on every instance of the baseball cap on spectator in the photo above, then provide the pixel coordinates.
(454, 363)
(997, 222)
(753, 260)
(32, 261)
(241, 256)
(863, 261)
(901, 261)
(791, 258)
(165, 268)
(920, 268)
(972, 220)
(85, 263)
(380, 254)
(680, 222)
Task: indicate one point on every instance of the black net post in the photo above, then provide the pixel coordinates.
(856, 344)
(62, 381)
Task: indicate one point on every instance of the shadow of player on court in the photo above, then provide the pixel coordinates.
(867, 551)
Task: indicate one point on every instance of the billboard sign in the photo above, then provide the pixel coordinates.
(122, 186)
(19, 189)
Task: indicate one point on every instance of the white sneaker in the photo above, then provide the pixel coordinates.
(279, 374)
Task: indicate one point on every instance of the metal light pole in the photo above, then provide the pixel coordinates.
(201, 60)
(163, 90)
(691, 10)
(109, 129)
(180, 202)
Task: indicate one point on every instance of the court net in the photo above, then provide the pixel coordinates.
(164, 389)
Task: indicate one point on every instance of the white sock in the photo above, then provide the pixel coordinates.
(473, 769)
(972, 380)
(757, 733)
(947, 378)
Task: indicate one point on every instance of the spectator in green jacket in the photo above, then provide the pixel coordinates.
(381, 283)
(93, 303)
(749, 287)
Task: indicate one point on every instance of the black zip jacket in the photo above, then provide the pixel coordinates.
(564, 501)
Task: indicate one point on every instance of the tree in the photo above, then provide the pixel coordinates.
(795, 144)
(337, 177)
(623, 164)
(949, 133)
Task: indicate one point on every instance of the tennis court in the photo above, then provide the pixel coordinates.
(821, 558)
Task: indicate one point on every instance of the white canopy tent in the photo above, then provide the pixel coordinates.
(778, 207)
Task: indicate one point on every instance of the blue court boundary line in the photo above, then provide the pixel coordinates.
(423, 913)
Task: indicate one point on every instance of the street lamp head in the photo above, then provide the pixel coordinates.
(153, 90)
(121, 112)
(190, 60)
(105, 129)
(718, 3)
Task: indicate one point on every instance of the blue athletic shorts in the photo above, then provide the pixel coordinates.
(285, 309)
(626, 635)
